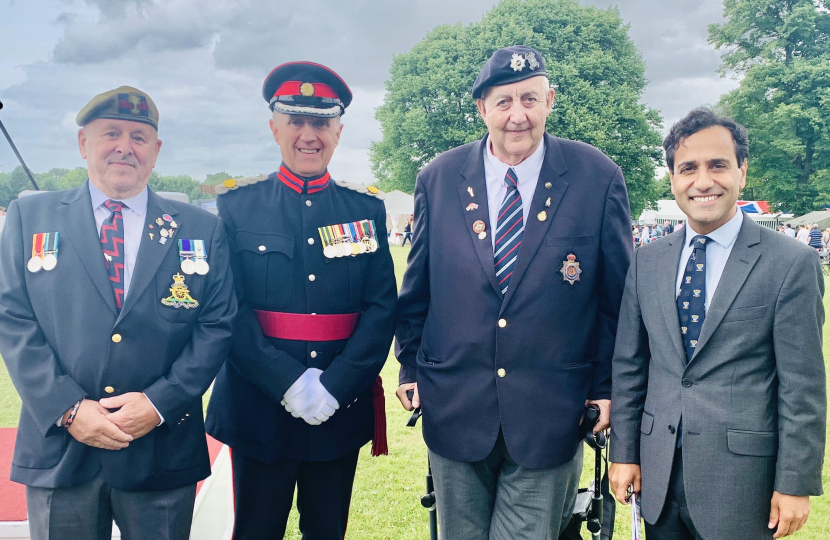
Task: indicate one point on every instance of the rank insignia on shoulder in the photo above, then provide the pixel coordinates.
(179, 295)
(231, 184)
(349, 238)
(570, 269)
(362, 188)
(44, 252)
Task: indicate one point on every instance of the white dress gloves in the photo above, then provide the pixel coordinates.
(308, 399)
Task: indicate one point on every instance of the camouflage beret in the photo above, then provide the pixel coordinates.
(123, 103)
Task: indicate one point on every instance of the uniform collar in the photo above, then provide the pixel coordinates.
(302, 184)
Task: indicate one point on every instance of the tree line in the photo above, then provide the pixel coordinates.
(11, 184)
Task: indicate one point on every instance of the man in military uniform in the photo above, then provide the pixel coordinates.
(316, 288)
(116, 309)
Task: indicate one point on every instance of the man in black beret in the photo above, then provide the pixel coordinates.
(300, 394)
(508, 309)
(111, 338)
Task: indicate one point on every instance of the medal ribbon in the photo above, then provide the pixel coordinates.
(37, 245)
(199, 249)
(185, 249)
(50, 242)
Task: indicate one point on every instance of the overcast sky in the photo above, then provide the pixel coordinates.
(203, 63)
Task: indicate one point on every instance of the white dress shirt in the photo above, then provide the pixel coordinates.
(527, 175)
(717, 253)
(134, 212)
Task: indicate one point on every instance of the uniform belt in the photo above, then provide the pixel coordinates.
(302, 327)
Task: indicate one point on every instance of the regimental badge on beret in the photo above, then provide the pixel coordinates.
(122, 103)
(507, 66)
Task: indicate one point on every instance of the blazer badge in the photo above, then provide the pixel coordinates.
(570, 269)
(179, 295)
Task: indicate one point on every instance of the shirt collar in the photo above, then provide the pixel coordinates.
(724, 235)
(526, 171)
(137, 203)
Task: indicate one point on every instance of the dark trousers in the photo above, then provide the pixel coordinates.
(263, 494)
(674, 523)
(86, 512)
(406, 236)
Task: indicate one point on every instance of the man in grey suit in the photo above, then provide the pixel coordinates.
(718, 401)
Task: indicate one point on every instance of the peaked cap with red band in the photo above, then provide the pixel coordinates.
(306, 88)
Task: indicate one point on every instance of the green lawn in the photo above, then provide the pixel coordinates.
(387, 489)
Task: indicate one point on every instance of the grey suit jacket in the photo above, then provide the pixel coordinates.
(752, 398)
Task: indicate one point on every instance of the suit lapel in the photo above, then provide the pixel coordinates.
(150, 252)
(79, 223)
(672, 247)
(553, 167)
(473, 177)
(738, 265)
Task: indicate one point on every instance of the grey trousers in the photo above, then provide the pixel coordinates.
(497, 499)
(86, 512)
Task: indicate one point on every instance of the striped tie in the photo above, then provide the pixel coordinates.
(112, 244)
(509, 229)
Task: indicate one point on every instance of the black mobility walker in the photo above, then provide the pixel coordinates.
(594, 506)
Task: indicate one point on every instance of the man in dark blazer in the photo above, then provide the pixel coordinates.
(508, 309)
(111, 338)
(300, 394)
(719, 402)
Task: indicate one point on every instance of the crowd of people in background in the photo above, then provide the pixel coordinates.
(809, 234)
(648, 233)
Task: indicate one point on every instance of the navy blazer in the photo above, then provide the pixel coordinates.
(275, 248)
(58, 342)
(524, 362)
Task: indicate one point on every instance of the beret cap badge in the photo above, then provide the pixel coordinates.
(517, 62)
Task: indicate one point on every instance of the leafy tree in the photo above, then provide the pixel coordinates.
(182, 183)
(782, 49)
(599, 75)
(216, 178)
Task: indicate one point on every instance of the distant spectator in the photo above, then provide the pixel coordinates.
(803, 234)
(678, 226)
(2, 210)
(667, 228)
(656, 230)
(782, 229)
(407, 234)
(815, 237)
(790, 232)
(645, 235)
(825, 238)
(635, 232)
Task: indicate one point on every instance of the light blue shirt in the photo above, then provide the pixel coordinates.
(134, 213)
(527, 175)
(717, 253)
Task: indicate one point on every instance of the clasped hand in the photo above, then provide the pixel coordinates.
(308, 399)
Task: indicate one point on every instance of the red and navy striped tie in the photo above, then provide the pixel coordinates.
(112, 244)
(509, 229)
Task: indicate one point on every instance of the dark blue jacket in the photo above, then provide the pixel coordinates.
(275, 248)
(525, 362)
(58, 342)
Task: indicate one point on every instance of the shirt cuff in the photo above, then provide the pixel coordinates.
(157, 411)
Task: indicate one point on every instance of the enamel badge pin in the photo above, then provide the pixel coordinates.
(570, 269)
(472, 206)
(478, 228)
(179, 295)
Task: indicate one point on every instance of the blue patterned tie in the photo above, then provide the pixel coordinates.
(509, 229)
(692, 297)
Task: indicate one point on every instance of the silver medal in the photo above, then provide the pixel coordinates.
(49, 262)
(330, 251)
(202, 267)
(35, 264)
(188, 266)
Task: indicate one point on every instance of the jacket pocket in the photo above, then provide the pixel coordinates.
(267, 260)
(744, 314)
(752, 443)
(569, 240)
(344, 281)
(34, 451)
(647, 423)
(427, 358)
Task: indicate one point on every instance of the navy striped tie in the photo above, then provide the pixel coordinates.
(509, 229)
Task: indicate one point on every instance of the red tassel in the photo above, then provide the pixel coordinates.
(379, 444)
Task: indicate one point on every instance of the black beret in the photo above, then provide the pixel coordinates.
(507, 66)
(123, 103)
(306, 88)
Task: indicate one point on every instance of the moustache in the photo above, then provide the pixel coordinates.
(129, 160)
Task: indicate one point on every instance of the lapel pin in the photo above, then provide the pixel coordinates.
(159, 222)
(151, 236)
(570, 269)
(470, 191)
(478, 227)
(547, 203)
(548, 185)
(166, 217)
(472, 206)
(542, 216)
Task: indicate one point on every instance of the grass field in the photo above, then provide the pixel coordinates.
(385, 504)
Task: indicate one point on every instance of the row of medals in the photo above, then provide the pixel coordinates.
(199, 266)
(38, 263)
(343, 247)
